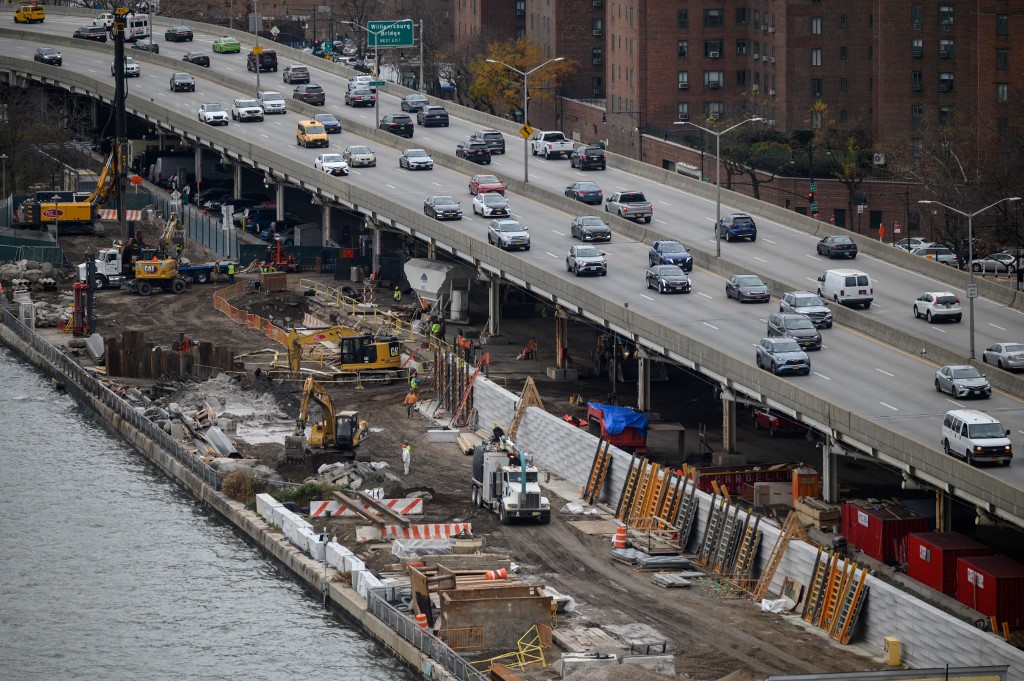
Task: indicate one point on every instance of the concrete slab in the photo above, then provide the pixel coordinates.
(639, 637)
(594, 527)
(586, 640)
(660, 664)
(575, 661)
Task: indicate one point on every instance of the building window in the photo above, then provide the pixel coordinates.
(714, 18)
(741, 77)
(946, 48)
(683, 80)
(713, 48)
(946, 114)
(597, 26)
(816, 120)
(842, 21)
(945, 82)
(816, 56)
(1002, 92)
(916, 17)
(1002, 24)
(713, 79)
(1002, 59)
(682, 111)
(843, 85)
(816, 87)
(597, 85)
(741, 16)
(946, 17)
(520, 8)
(916, 114)
(597, 56)
(757, 18)
(844, 115)
(714, 110)
(683, 49)
(520, 31)
(741, 47)
(917, 80)
(917, 48)
(815, 25)
(842, 53)
(757, 50)
(683, 18)
(917, 149)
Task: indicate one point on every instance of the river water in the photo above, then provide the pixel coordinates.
(108, 570)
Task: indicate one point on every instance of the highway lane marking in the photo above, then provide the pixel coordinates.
(551, 254)
(957, 404)
(812, 257)
(939, 330)
(661, 222)
(263, 134)
(665, 203)
(555, 231)
(822, 376)
(647, 297)
(886, 373)
(699, 293)
(995, 326)
(436, 184)
(760, 259)
(768, 240)
(390, 186)
(889, 406)
(711, 325)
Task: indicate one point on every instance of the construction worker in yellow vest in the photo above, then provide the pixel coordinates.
(397, 294)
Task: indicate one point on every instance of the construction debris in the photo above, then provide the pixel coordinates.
(670, 580)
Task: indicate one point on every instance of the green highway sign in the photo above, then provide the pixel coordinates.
(377, 83)
(390, 33)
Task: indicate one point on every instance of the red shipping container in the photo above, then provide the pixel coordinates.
(932, 557)
(880, 529)
(994, 586)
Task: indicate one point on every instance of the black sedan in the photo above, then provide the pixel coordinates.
(442, 208)
(183, 82)
(97, 33)
(397, 124)
(837, 246)
(178, 34)
(590, 228)
(744, 287)
(477, 152)
(48, 55)
(197, 58)
(668, 279)
(585, 192)
(310, 94)
(146, 46)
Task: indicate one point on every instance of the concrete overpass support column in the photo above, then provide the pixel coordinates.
(494, 307)
(562, 371)
(279, 200)
(378, 234)
(236, 181)
(728, 424)
(943, 511)
(94, 113)
(643, 384)
(325, 225)
(830, 471)
(199, 167)
(432, 250)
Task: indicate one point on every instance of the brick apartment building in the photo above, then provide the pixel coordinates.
(497, 20)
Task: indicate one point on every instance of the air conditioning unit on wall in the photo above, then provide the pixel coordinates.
(878, 159)
(684, 86)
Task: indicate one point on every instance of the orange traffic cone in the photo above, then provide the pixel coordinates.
(619, 541)
(421, 620)
(500, 573)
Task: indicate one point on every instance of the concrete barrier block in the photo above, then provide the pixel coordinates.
(265, 505)
(442, 435)
(315, 545)
(336, 555)
(661, 664)
(571, 662)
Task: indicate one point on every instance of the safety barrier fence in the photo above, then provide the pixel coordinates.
(221, 303)
(424, 640)
(80, 384)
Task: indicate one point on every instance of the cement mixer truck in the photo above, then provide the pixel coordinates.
(505, 482)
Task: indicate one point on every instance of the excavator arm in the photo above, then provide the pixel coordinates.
(296, 341)
(106, 187)
(326, 430)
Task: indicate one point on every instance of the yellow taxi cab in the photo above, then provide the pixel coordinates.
(311, 134)
(29, 14)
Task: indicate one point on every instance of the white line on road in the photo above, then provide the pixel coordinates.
(390, 186)
(768, 240)
(760, 259)
(665, 203)
(661, 222)
(812, 257)
(647, 297)
(939, 330)
(823, 376)
(955, 403)
(998, 327)
(888, 406)
(704, 294)
(436, 184)
(711, 325)
(555, 231)
(884, 372)
(551, 254)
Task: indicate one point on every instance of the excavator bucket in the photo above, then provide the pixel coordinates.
(295, 448)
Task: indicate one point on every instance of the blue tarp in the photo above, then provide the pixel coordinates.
(617, 419)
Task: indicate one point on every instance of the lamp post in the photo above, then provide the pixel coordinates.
(526, 107)
(718, 171)
(639, 124)
(972, 292)
(376, 60)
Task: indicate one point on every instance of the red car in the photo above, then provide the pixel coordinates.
(481, 184)
(777, 423)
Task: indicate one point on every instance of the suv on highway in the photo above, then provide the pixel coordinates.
(508, 233)
(48, 55)
(936, 305)
(795, 326)
(310, 94)
(737, 226)
(267, 61)
(431, 116)
(809, 305)
(588, 157)
(782, 356)
(295, 73)
(397, 124)
(272, 102)
(976, 437)
(494, 140)
(245, 109)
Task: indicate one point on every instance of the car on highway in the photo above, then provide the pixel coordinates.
(586, 259)
(309, 133)
(1005, 355)
(667, 279)
(397, 124)
(213, 113)
(147, 46)
(508, 233)
(939, 254)
(359, 155)
(30, 14)
(414, 102)
(670, 253)
(360, 97)
(962, 380)
(48, 55)
(808, 304)
(782, 356)
(96, 33)
(630, 205)
(795, 326)
(490, 205)
(131, 68)
(415, 159)
(178, 34)
(311, 94)
(837, 246)
(333, 164)
(590, 228)
(938, 305)
(294, 74)
(996, 263)
(265, 61)
(477, 152)
(226, 45)
(106, 20)
(485, 183)
(332, 126)
(588, 157)
(494, 140)
(747, 287)
(183, 82)
(197, 58)
(362, 82)
(585, 191)
(432, 117)
(442, 207)
(776, 423)
(847, 287)
(273, 102)
(910, 243)
(737, 226)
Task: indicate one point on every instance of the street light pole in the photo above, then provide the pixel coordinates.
(526, 107)
(718, 172)
(259, 55)
(970, 253)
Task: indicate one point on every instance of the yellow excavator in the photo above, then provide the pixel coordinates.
(361, 354)
(335, 431)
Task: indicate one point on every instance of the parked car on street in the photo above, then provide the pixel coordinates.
(667, 279)
(914, 242)
(938, 305)
(1005, 355)
(776, 423)
(782, 356)
(996, 263)
(837, 246)
(590, 228)
(586, 259)
(744, 287)
(962, 380)
(939, 254)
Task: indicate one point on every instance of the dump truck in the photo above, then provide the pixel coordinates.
(506, 482)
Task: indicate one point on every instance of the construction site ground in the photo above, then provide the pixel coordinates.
(710, 628)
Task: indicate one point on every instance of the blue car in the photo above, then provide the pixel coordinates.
(332, 126)
(737, 226)
(670, 253)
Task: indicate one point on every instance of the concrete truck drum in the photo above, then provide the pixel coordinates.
(505, 482)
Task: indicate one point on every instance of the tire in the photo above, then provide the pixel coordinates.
(775, 371)
(568, 268)
(178, 286)
(145, 288)
(853, 257)
(546, 519)
(661, 287)
(938, 388)
(99, 282)
(999, 363)
(867, 306)
(728, 237)
(202, 277)
(503, 516)
(917, 315)
(969, 458)
(928, 317)
(945, 447)
(975, 267)
(648, 219)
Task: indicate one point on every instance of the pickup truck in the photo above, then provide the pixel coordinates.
(630, 205)
(548, 143)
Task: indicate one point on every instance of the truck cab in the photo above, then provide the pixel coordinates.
(505, 482)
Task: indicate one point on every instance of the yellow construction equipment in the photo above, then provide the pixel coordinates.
(360, 353)
(335, 431)
(152, 274)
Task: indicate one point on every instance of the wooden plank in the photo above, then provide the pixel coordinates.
(395, 517)
(358, 509)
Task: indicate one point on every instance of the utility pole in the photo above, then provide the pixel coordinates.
(120, 122)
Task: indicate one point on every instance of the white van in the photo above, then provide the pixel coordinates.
(976, 437)
(137, 27)
(846, 287)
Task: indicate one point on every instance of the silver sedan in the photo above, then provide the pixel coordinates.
(962, 380)
(1005, 355)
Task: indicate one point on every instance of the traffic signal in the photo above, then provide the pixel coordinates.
(810, 197)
